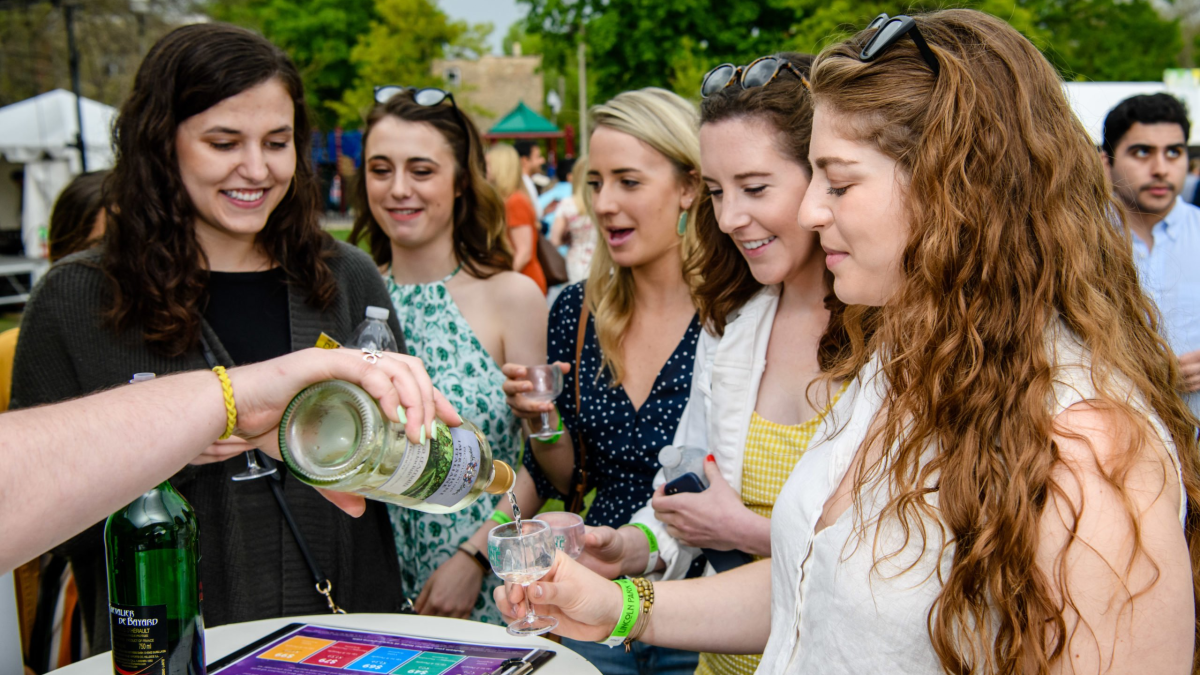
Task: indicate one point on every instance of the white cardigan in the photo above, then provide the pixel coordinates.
(725, 381)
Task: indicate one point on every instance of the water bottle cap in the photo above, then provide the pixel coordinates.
(670, 456)
(142, 377)
(378, 313)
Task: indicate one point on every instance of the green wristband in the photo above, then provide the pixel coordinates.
(500, 517)
(652, 541)
(555, 437)
(631, 608)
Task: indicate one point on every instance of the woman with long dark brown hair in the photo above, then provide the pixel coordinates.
(436, 229)
(213, 254)
(1011, 482)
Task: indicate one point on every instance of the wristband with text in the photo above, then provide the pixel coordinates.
(555, 437)
(500, 517)
(630, 610)
(652, 541)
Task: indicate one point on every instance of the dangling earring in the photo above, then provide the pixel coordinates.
(682, 229)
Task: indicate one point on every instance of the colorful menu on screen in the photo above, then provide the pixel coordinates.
(302, 649)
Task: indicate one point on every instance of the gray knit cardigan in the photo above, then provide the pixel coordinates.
(250, 565)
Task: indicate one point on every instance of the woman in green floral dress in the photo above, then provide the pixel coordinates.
(437, 230)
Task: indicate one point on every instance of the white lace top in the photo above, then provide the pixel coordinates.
(830, 613)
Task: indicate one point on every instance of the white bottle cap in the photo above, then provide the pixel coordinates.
(670, 456)
(378, 313)
(141, 377)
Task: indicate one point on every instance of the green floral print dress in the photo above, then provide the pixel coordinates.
(436, 332)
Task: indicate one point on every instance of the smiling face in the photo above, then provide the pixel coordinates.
(637, 195)
(857, 206)
(236, 161)
(1148, 167)
(756, 195)
(410, 181)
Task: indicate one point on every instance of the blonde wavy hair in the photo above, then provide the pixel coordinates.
(1012, 229)
(669, 124)
(504, 169)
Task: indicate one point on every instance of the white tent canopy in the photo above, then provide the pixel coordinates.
(46, 125)
(1092, 101)
(40, 133)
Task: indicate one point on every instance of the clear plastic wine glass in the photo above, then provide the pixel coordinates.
(522, 557)
(254, 470)
(568, 530)
(547, 384)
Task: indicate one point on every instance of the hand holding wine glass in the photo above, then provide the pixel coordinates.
(585, 605)
(517, 389)
(522, 557)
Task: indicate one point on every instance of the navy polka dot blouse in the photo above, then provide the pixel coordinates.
(622, 442)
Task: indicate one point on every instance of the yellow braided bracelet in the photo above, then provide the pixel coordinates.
(230, 406)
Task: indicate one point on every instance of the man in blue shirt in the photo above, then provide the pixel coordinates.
(1145, 150)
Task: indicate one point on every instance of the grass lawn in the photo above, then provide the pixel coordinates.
(9, 320)
(343, 235)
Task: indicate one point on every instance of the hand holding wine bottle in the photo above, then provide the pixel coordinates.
(263, 390)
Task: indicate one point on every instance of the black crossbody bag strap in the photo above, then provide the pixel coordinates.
(322, 583)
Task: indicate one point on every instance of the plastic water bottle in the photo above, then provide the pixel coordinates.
(678, 460)
(373, 333)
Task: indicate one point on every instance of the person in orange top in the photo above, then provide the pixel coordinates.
(504, 171)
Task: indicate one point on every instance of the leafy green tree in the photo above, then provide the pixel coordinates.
(399, 48)
(110, 36)
(318, 34)
(1108, 40)
(671, 43)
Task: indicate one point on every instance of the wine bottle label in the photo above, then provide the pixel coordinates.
(440, 472)
(412, 465)
(139, 639)
(461, 468)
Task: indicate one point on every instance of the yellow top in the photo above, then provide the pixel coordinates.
(772, 451)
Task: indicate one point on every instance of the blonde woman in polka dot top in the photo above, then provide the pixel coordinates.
(764, 306)
(639, 345)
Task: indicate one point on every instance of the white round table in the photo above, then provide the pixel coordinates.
(224, 640)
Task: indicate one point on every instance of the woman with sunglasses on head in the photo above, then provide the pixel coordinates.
(436, 229)
(504, 172)
(765, 302)
(213, 254)
(1010, 483)
(633, 324)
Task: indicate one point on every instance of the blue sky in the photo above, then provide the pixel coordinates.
(502, 14)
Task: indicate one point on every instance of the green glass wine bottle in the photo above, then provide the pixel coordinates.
(153, 550)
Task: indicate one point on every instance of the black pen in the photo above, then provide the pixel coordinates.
(514, 667)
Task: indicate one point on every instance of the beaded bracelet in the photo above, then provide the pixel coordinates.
(652, 542)
(630, 610)
(645, 589)
(230, 405)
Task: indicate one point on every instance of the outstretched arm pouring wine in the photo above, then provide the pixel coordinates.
(70, 464)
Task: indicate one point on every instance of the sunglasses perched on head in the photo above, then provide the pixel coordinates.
(760, 73)
(428, 97)
(889, 31)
